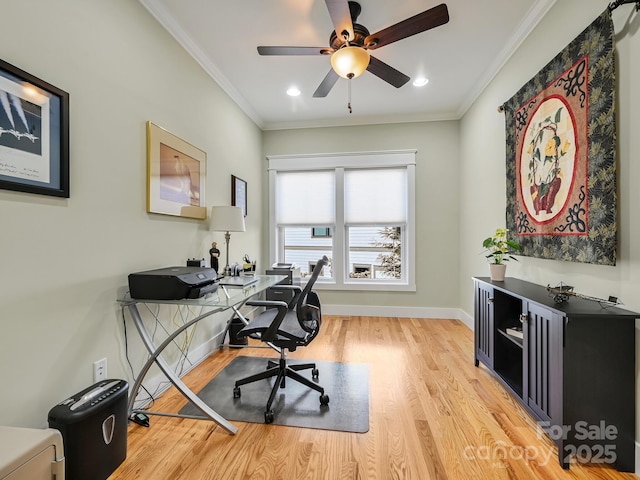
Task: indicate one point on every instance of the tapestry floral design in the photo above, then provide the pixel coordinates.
(561, 136)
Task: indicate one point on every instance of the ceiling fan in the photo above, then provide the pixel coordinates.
(350, 43)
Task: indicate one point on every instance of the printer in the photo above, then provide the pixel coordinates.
(172, 283)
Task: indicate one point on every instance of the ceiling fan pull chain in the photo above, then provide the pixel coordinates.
(349, 90)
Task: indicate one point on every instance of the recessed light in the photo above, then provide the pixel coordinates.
(420, 82)
(293, 91)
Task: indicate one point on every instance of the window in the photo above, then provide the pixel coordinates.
(358, 210)
(318, 232)
(361, 271)
(312, 267)
(376, 250)
(301, 248)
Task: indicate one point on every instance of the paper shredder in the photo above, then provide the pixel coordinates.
(93, 424)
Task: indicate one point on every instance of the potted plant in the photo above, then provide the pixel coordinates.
(499, 249)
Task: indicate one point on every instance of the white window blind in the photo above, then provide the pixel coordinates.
(305, 198)
(367, 200)
(375, 196)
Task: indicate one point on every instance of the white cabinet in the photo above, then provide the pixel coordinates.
(31, 454)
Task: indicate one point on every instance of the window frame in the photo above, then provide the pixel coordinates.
(339, 162)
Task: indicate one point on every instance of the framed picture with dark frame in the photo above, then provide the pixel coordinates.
(239, 193)
(34, 134)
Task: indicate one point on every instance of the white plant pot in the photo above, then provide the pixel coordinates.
(497, 271)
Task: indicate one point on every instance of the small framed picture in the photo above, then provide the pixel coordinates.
(176, 172)
(34, 134)
(239, 193)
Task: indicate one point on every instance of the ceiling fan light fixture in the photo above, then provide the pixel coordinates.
(293, 91)
(420, 82)
(350, 62)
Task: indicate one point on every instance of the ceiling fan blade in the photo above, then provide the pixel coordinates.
(327, 84)
(294, 50)
(341, 17)
(387, 72)
(434, 17)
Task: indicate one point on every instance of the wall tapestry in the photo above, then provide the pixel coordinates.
(561, 165)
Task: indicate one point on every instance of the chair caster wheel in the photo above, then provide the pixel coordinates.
(269, 416)
(236, 392)
(324, 399)
(315, 372)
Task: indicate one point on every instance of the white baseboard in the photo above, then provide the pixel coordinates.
(402, 312)
(466, 319)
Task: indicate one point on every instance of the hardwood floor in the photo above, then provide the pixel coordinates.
(433, 415)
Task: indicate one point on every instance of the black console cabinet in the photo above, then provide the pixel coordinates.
(573, 369)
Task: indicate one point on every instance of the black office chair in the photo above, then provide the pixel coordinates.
(287, 326)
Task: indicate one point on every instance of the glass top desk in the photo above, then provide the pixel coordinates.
(225, 298)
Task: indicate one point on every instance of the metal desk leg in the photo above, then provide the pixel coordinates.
(166, 369)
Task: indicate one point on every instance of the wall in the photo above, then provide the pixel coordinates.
(64, 260)
(483, 159)
(436, 205)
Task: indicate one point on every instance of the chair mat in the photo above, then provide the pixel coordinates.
(296, 405)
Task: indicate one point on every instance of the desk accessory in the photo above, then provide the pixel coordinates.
(227, 219)
(193, 262)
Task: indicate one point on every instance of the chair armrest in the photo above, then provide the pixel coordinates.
(287, 287)
(271, 331)
(267, 303)
(296, 288)
(264, 331)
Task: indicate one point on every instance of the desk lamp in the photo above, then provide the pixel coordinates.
(227, 219)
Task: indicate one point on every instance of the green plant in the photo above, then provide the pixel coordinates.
(391, 263)
(499, 247)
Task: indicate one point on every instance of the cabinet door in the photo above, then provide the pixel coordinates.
(37, 467)
(543, 363)
(484, 324)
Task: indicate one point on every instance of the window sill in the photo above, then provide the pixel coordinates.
(364, 287)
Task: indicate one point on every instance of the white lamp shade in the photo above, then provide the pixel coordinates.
(350, 61)
(226, 219)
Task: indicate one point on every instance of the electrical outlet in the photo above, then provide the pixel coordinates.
(100, 370)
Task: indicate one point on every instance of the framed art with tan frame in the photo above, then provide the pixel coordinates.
(176, 173)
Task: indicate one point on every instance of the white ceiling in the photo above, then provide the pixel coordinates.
(459, 58)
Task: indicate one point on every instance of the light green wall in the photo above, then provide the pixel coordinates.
(483, 161)
(63, 261)
(436, 201)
